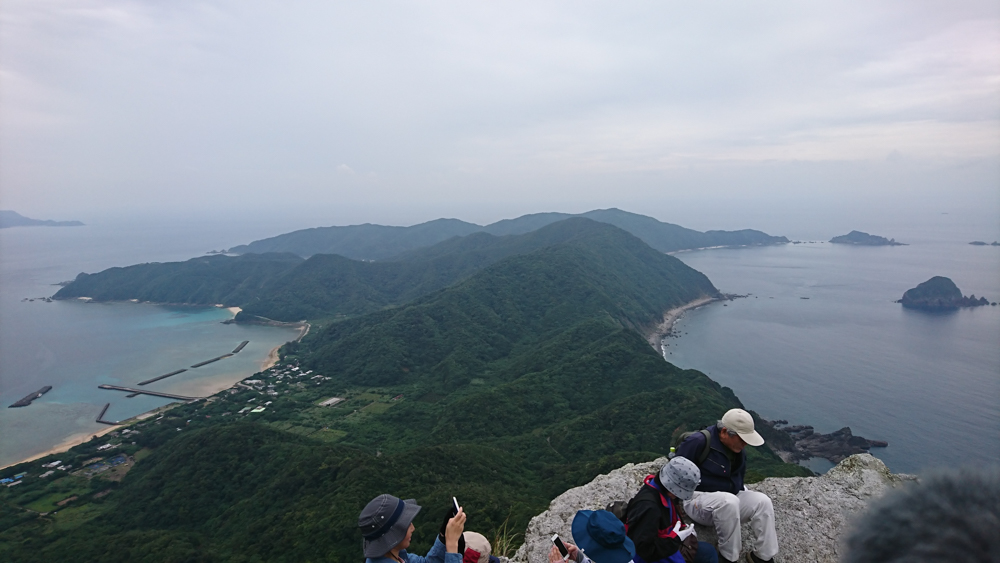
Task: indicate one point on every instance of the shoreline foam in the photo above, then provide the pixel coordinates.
(656, 336)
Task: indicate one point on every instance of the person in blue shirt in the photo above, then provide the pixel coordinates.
(387, 526)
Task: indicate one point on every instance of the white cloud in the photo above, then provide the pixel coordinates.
(118, 99)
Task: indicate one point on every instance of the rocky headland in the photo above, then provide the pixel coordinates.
(981, 243)
(812, 514)
(939, 293)
(864, 239)
(14, 219)
(806, 443)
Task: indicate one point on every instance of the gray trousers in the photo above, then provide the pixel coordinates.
(726, 511)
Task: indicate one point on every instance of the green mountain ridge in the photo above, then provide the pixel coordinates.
(377, 242)
(284, 287)
(527, 377)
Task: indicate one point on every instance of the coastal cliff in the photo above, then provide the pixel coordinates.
(812, 514)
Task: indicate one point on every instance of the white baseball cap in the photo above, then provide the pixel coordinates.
(740, 421)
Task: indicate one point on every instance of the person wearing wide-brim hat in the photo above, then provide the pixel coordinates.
(600, 537)
(387, 526)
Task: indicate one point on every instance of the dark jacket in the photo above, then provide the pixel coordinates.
(649, 522)
(717, 473)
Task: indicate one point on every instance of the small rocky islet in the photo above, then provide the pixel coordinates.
(940, 293)
(859, 238)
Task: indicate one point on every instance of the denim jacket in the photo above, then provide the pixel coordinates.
(437, 554)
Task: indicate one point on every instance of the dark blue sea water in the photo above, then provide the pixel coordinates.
(820, 341)
(75, 346)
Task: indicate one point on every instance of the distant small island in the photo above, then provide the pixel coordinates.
(981, 243)
(14, 219)
(864, 239)
(939, 293)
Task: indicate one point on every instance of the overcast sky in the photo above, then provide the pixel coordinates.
(399, 112)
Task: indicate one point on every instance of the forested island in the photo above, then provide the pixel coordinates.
(864, 239)
(379, 242)
(939, 293)
(282, 286)
(499, 370)
(14, 219)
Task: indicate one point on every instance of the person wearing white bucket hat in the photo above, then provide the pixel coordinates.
(655, 522)
(387, 525)
(722, 500)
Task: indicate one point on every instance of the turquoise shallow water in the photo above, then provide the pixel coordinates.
(75, 346)
(821, 342)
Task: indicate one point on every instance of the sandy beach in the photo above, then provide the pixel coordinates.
(272, 356)
(670, 317)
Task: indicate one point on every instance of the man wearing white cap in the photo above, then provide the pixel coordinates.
(721, 500)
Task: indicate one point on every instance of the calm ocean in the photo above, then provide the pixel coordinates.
(75, 346)
(819, 341)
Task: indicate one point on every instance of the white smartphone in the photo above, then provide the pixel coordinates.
(560, 546)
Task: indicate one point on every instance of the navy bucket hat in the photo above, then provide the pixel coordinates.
(384, 523)
(601, 535)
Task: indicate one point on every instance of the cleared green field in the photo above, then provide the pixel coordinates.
(328, 434)
(377, 408)
(69, 518)
(48, 502)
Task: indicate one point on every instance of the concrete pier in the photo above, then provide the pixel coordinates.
(146, 392)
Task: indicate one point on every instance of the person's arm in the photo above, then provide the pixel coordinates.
(435, 555)
(644, 519)
(444, 552)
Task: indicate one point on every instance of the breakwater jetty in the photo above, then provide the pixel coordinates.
(164, 376)
(135, 392)
(100, 417)
(28, 398)
(240, 347)
(206, 362)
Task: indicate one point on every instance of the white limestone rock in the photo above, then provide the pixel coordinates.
(812, 514)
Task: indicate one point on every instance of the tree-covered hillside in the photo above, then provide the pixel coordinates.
(284, 287)
(361, 242)
(206, 280)
(526, 378)
(378, 242)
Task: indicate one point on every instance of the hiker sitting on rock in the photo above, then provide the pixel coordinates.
(654, 519)
(721, 499)
(387, 525)
(601, 537)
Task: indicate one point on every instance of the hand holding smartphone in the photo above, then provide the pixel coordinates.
(560, 546)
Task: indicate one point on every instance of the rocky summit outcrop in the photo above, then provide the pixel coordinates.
(812, 514)
(939, 293)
